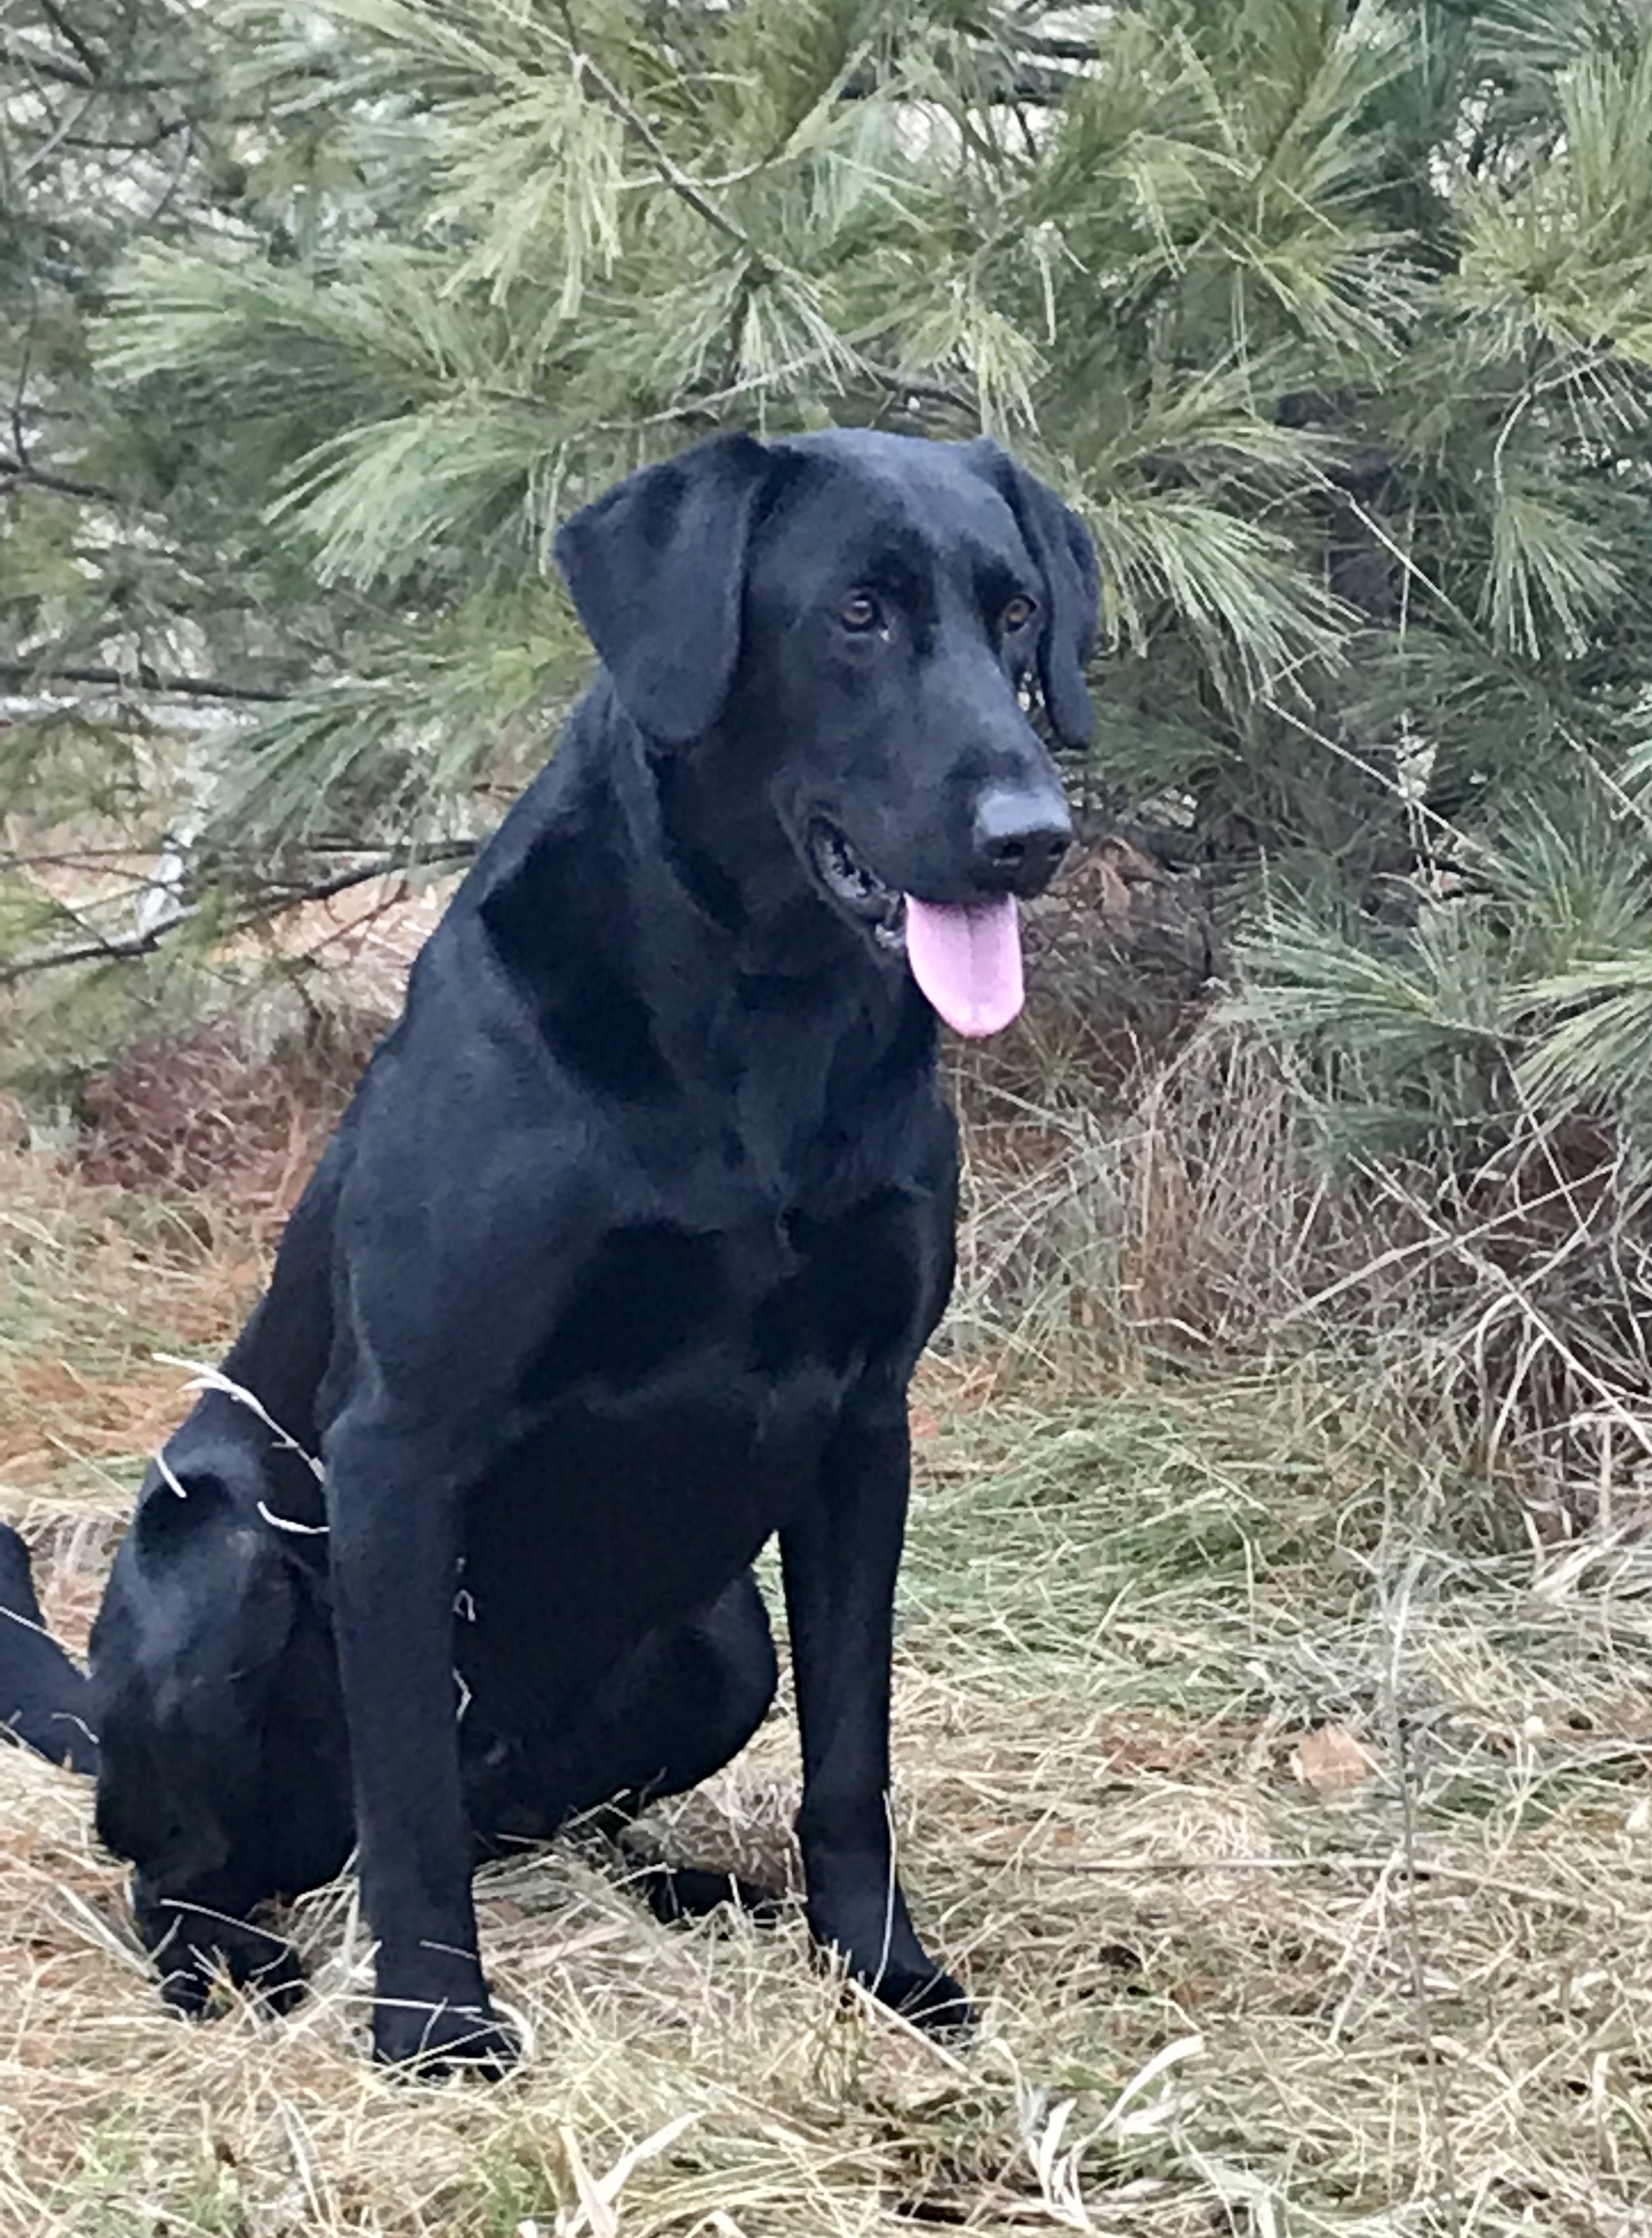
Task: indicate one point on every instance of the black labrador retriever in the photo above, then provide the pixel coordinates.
(620, 1261)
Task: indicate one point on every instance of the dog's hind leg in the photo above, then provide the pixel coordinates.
(686, 1701)
(224, 1776)
(676, 1710)
(688, 1704)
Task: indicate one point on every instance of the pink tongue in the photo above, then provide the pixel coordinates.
(968, 960)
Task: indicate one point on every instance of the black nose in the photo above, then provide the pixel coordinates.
(1021, 834)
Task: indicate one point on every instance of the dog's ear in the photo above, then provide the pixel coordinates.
(658, 569)
(1060, 544)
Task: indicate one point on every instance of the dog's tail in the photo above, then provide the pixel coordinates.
(45, 1697)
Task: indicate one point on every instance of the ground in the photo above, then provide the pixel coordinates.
(1286, 1805)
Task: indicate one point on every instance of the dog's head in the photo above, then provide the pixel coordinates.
(870, 611)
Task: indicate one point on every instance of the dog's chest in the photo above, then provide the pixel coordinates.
(685, 1402)
(762, 1296)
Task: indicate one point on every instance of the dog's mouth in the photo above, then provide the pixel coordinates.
(965, 956)
(858, 890)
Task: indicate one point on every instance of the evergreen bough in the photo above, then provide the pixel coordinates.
(1336, 321)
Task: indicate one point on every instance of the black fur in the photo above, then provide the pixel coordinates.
(619, 1263)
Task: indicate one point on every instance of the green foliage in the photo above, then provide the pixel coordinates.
(1336, 321)
(1506, 1000)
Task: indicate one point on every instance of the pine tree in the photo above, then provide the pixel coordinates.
(1335, 321)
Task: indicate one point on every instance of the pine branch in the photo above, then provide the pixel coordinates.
(583, 65)
(19, 475)
(1034, 88)
(75, 74)
(761, 265)
(1058, 50)
(928, 392)
(144, 679)
(95, 65)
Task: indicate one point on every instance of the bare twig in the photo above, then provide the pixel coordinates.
(92, 61)
(1442, 1243)
(123, 947)
(142, 679)
(62, 135)
(164, 130)
(1539, 1322)
(60, 72)
(1458, 838)
(116, 949)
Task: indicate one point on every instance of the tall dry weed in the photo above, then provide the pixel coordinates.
(1178, 1210)
(1173, 1211)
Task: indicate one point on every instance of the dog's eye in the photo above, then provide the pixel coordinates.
(860, 612)
(1018, 614)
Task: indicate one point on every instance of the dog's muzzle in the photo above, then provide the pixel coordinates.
(965, 956)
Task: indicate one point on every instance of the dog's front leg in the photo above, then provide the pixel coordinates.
(393, 1552)
(840, 1557)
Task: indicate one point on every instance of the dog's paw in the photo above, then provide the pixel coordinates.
(901, 1975)
(197, 1975)
(931, 2001)
(431, 2040)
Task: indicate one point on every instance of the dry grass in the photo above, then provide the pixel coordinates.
(1163, 1205)
(1176, 1217)
(1290, 1816)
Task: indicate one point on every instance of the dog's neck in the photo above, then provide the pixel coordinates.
(660, 876)
(710, 819)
